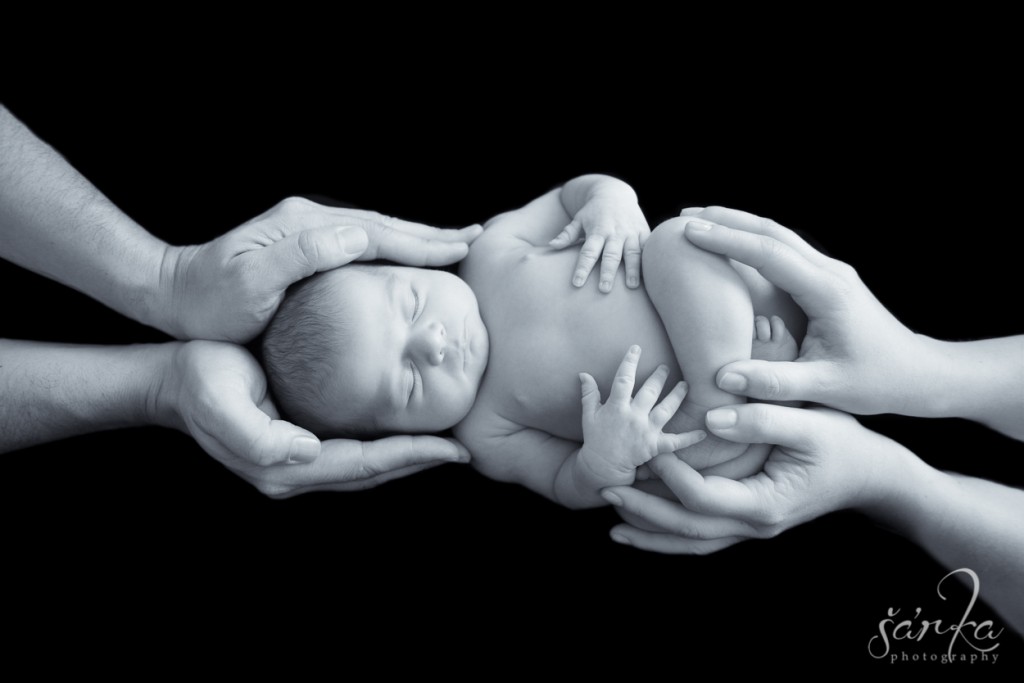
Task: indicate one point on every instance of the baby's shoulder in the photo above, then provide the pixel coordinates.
(485, 433)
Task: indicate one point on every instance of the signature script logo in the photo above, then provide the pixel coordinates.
(977, 635)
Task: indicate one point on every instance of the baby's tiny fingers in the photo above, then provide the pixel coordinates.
(664, 411)
(651, 389)
(625, 377)
(590, 394)
(670, 443)
(589, 254)
(631, 254)
(569, 235)
(610, 263)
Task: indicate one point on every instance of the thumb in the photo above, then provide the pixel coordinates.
(766, 423)
(777, 380)
(590, 394)
(303, 253)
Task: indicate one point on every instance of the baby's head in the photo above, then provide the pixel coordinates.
(366, 350)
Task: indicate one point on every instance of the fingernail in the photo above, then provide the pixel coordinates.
(722, 418)
(578, 281)
(698, 226)
(701, 435)
(632, 282)
(303, 449)
(606, 286)
(612, 498)
(619, 538)
(634, 350)
(732, 382)
(355, 240)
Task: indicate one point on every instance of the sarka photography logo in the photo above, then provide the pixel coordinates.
(960, 639)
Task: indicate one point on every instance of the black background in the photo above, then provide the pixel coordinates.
(140, 529)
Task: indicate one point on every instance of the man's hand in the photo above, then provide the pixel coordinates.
(217, 392)
(230, 287)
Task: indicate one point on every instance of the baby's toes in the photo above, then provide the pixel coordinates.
(773, 340)
(762, 329)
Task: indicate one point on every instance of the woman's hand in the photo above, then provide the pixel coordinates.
(230, 287)
(825, 461)
(217, 392)
(855, 356)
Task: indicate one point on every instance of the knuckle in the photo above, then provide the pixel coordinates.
(293, 205)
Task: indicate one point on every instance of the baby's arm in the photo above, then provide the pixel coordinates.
(707, 311)
(618, 436)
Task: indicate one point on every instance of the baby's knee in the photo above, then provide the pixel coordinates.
(667, 245)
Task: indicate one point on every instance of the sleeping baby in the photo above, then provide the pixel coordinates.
(516, 359)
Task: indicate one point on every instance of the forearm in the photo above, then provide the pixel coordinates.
(52, 391)
(578, 191)
(962, 522)
(55, 222)
(980, 380)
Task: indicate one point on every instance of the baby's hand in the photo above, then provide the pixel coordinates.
(625, 432)
(615, 226)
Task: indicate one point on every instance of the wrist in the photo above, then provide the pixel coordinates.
(163, 390)
(901, 490)
(162, 305)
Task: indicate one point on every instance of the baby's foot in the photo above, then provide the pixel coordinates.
(772, 341)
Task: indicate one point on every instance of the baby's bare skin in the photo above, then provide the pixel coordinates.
(527, 416)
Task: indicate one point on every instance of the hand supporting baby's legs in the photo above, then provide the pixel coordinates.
(706, 309)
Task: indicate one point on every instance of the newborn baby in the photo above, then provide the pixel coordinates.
(366, 350)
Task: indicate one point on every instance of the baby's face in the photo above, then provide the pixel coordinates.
(419, 347)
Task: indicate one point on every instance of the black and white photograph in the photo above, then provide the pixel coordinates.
(439, 371)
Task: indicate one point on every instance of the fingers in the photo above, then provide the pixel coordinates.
(715, 496)
(766, 423)
(674, 518)
(249, 434)
(748, 222)
(346, 465)
(779, 263)
(668, 407)
(648, 394)
(667, 543)
(590, 394)
(610, 263)
(413, 249)
(589, 254)
(568, 236)
(670, 443)
(778, 380)
(632, 252)
(625, 377)
(302, 253)
(762, 329)
(413, 229)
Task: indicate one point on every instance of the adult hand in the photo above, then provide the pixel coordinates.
(855, 356)
(217, 392)
(229, 288)
(825, 461)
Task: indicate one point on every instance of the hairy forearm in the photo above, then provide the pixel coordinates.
(55, 222)
(962, 522)
(982, 381)
(52, 391)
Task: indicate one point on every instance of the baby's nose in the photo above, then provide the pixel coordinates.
(431, 343)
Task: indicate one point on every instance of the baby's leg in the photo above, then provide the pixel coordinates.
(707, 311)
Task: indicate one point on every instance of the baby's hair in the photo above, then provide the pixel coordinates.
(309, 332)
